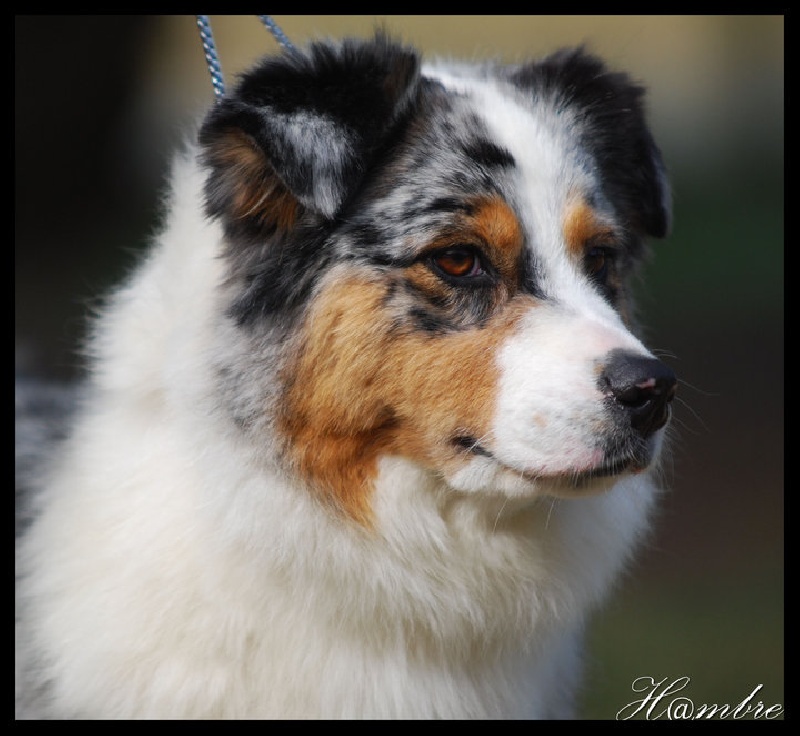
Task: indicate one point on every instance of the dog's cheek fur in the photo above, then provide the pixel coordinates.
(360, 388)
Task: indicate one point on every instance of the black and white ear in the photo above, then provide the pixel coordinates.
(301, 130)
(609, 109)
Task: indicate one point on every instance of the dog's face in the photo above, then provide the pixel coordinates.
(445, 256)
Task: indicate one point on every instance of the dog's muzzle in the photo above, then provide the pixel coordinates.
(642, 387)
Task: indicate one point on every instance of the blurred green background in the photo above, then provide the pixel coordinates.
(101, 100)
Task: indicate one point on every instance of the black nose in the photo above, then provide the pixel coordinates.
(642, 386)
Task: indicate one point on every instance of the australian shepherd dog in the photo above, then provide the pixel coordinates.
(368, 433)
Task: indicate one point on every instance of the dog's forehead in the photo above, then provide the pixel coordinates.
(546, 161)
(478, 137)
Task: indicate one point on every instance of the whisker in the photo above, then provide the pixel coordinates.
(499, 513)
(699, 390)
(663, 353)
(550, 512)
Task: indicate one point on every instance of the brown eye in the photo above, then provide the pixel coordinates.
(459, 262)
(596, 262)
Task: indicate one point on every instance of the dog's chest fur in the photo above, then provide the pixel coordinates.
(347, 450)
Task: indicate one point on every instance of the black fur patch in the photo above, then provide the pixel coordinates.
(486, 153)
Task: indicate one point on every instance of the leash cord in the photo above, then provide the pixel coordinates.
(212, 57)
(280, 36)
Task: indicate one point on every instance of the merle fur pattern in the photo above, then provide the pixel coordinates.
(363, 196)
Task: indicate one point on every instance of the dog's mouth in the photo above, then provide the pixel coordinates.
(608, 469)
(618, 461)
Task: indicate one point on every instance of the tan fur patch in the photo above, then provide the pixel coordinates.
(360, 389)
(256, 191)
(581, 226)
(498, 227)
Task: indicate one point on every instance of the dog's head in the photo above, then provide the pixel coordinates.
(446, 251)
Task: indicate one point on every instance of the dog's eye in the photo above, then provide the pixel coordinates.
(597, 261)
(462, 261)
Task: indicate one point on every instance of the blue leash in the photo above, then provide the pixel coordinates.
(212, 57)
(275, 30)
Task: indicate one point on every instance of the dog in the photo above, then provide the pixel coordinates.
(369, 433)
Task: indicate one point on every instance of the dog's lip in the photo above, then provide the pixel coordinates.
(609, 467)
(581, 477)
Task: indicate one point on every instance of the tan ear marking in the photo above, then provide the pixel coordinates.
(254, 189)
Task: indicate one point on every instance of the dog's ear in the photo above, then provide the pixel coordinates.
(609, 112)
(300, 130)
